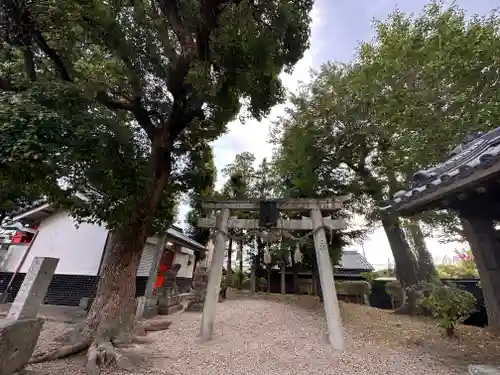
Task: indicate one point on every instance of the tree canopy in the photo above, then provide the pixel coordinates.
(113, 95)
(119, 100)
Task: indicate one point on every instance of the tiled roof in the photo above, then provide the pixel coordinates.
(27, 207)
(182, 237)
(468, 162)
(352, 260)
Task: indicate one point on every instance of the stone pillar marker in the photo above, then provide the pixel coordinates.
(150, 301)
(214, 277)
(153, 271)
(330, 302)
(33, 290)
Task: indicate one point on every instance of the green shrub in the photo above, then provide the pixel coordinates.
(356, 287)
(369, 276)
(236, 276)
(449, 304)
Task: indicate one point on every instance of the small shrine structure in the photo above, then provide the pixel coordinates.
(467, 183)
(269, 220)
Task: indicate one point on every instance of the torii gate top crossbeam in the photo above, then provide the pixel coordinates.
(304, 224)
(328, 205)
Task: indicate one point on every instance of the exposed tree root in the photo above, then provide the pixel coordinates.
(155, 325)
(62, 352)
(102, 352)
(73, 335)
(124, 342)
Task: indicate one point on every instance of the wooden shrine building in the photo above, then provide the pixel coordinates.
(467, 183)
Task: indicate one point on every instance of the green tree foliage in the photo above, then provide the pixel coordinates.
(121, 96)
(14, 195)
(465, 267)
(405, 102)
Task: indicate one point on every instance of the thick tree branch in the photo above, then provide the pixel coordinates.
(171, 12)
(53, 55)
(114, 103)
(116, 42)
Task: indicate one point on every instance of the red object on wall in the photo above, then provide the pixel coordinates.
(166, 262)
(17, 238)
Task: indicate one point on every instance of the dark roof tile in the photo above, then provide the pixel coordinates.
(478, 151)
(352, 260)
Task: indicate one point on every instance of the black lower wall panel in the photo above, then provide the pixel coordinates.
(140, 285)
(184, 284)
(68, 290)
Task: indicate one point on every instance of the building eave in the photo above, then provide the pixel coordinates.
(37, 213)
(183, 240)
(470, 165)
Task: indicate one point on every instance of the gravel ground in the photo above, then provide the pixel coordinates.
(258, 336)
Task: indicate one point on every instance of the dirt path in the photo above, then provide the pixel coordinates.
(256, 336)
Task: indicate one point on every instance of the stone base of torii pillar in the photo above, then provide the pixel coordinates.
(315, 223)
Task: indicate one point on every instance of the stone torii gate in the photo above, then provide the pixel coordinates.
(315, 223)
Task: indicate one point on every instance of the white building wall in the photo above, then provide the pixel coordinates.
(79, 249)
(183, 257)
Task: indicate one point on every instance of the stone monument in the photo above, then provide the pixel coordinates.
(168, 293)
(20, 330)
(199, 287)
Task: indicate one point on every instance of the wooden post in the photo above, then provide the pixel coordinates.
(283, 278)
(252, 277)
(214, 277)
(330, 302)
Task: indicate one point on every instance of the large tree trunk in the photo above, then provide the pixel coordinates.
(484, 244)
(229, 265)
(114, 306)
(425, 265)
(110, 321)
(404, 260)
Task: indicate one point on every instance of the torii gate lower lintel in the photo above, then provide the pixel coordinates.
(316, 222)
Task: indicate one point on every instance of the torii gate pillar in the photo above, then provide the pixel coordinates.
(214, 276)
(330, 302)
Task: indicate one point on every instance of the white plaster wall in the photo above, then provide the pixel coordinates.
(79, 250)
(183, 257)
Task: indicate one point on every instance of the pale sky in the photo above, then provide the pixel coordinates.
(338, 27)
